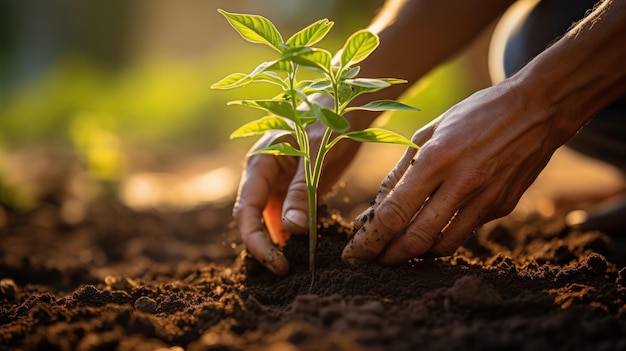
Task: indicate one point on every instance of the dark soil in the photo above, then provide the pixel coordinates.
(145, 281)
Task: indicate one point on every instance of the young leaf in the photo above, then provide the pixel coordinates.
(279, 108)
(393, 80)
(367, 83)
(284, 149)
(383, 105)
(281, 66)
(315, 58)
(232, 81)
(317, 86)
(311, 34)
(350, 72)
(378, 135)
(270, 77)
(240, 79)
(265, 66)
(336, 122)
(260, 126)
(358, 46)
(255, 29)
(306, 117)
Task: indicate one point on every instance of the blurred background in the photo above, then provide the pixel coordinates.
(111, 99)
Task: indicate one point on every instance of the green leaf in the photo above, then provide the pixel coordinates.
(232, 81)
(240, 79)
(270, 77)
(358, 46)
(315, 58)
(321, 84)
(306, 117)
(260, 126)
(344, 93)
(336, 122)
(281, 66)
(311, 34)
(291, 52)
(264, 66)
(378, 135)
(383, 105)
(279, 108)
(350, 72)
(393, 81)
(255, 29)
(368, 83)
(284, 149)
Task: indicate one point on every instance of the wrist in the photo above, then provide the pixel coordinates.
(579, 74)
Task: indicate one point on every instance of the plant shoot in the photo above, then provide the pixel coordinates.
(294, 108)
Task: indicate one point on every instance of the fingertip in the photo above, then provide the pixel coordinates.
(350, 253)
(296, 221)
(353, 261)
(277, 263)
(266, 253)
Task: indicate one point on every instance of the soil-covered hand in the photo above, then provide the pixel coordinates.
(272, 197)
(475, 162)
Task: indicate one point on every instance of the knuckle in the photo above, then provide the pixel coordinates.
(389, 182)
(434, 158)
(446, 248)
(417, 242)
(471, 180)
(392, 216)
(297, 193)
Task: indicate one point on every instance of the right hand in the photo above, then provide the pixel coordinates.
(272, 197)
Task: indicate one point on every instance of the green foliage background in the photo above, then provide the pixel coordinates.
(104, 78)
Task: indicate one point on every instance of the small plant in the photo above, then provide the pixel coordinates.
(293, 109)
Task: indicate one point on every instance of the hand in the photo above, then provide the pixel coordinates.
(272, 197)
(476, 161)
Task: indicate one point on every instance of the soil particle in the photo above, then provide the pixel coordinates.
(8, 290)
(145, 304)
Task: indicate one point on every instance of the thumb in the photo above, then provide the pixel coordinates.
(295, 207)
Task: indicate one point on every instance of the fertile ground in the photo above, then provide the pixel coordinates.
(125, 280)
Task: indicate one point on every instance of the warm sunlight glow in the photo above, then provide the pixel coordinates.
(166, 191)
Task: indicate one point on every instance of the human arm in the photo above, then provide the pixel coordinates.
(479, 157)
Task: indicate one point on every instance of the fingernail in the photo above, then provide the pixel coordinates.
(297, 217)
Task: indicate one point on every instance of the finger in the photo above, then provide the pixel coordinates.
(462, 226)
(488, 205)
(426, 228)
(390, 181)
(254, 236)
(295, 209)
(386, 186)
(390, 217)
(256, 194)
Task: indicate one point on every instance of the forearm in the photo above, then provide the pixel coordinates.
(417, 35)
(581, 73)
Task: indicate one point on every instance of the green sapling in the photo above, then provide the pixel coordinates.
(291, 111)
